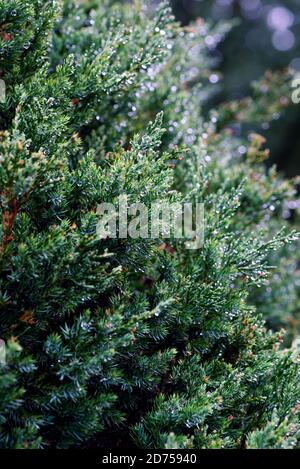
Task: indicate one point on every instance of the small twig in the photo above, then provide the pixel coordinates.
(8, 218)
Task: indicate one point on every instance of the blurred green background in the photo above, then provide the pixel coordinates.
(267, 37)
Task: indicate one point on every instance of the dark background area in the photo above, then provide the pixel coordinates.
(267, 37)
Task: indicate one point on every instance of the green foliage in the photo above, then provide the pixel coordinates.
(117, 342)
